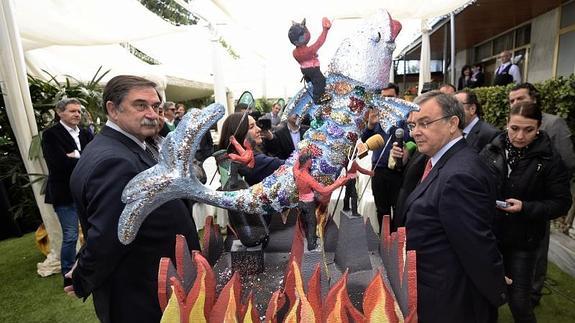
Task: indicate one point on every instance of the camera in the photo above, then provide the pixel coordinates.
(264, 124)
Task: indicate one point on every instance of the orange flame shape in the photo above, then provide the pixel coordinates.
(338, 306)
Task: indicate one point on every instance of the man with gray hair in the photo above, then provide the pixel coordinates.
(507, 72)
(62, 144)
(169, 118)
(460, 276)
(123, 279)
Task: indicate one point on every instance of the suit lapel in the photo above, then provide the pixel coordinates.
(422, 187)
(473, 135)
(84, 138)
(65, 134)
(130, 144)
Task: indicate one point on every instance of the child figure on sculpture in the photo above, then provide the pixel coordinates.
(307, 57)
(311, 192)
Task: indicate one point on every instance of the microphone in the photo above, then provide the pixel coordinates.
(374, 142)
(399, 133)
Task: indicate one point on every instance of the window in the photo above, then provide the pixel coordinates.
(566, 48)
(567, 15)
(412, 67)
(502, 43)
(523, 35)
(483, 51)
(565, 61)
(512, 40)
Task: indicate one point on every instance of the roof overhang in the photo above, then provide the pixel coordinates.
(472, 26)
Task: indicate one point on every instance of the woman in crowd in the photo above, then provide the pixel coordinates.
(477, 77)
(253, 165)
(532, 187)
(243, 126)
(465, 78)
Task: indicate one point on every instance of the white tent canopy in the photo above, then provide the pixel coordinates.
(264, 24)
(255, 29)
(71, 37)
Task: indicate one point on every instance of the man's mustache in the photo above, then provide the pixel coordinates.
(149, 122)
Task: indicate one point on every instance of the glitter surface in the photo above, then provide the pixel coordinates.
(357, 72)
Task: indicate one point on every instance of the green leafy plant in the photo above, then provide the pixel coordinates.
(557, 96)
(171, 11)
(44, 96)
(13, 176)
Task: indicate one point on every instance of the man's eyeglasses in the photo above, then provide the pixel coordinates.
(424, 124)
(143, 106)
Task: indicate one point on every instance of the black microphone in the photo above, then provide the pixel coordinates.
(399, 133)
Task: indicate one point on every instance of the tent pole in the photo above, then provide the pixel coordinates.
(452, 23)
(15, 89)
(445, 44)
(219, 83)
(404, 74)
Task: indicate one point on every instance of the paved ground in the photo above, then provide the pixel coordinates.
(562, 252)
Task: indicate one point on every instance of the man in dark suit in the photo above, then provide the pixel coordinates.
(123, 279)
(460, 276)
(61, 145)
(285, 138)
(412, 172)
(387, 179)
(476, 132)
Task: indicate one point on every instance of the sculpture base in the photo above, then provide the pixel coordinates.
(348, 242)
(247, 260)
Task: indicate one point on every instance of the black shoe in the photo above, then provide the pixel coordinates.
(67, 282)
(311, 245)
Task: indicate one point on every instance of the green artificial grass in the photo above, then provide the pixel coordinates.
(27, 297)
(558, 303)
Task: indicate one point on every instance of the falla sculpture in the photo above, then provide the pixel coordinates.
(312, 286)
(358, 70)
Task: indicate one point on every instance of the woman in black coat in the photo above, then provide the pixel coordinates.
(533, 182)
(465, 78)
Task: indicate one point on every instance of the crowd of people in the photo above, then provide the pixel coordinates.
(476, 200)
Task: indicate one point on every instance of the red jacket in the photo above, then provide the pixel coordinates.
(306, 56)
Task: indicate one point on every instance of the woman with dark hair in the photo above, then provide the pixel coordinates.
(465, 78)
(243, 127)
(532, 187)
(253, 165)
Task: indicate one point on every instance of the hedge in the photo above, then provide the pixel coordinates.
(557, 96)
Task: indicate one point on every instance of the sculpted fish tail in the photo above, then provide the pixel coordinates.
(172, 177)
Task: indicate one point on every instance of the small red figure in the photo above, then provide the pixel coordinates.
(307, 186)
(245, 156)
(307, 57)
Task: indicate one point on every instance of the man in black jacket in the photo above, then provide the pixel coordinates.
(123, 279)
(460, 275)
(285, 138)
(477, 132)
(61, 145)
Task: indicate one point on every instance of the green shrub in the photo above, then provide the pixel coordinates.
(44, 96)
(557, 97)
